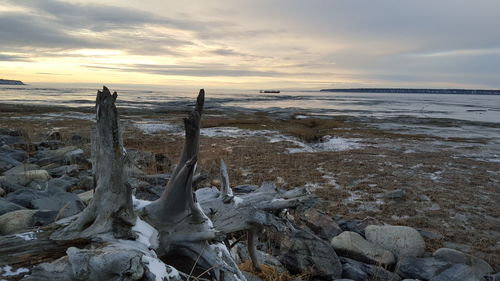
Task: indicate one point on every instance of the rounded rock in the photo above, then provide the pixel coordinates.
(400, 240)
(352, 245)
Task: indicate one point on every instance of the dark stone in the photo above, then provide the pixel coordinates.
(51, 144)
(24, 196)
(10, 187)
(65, 203)
(359, 271)
(357, 226)
(245, 188)
(7, 163)
(55, 135)
(149, 193)
(15, 154)
(46, 160)
(71, 170)
(42, 218)
(10, 140)
(301, 251)
(397, 194)
(7, 206)
(458, 271)
(156, 179)
(63, 183)
(492, 277)
(420, 268)
(430, 235)
(86, 182)
(321, 224)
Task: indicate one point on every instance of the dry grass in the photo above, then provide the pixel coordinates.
(269, 273)
(464, 192)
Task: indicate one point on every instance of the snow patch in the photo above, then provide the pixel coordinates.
(7, 271)
(237, 200)
(160, 270)
(139, 203)
(329, 143)
(27, 236)
(151, 128)
(232, 132)
(146, 234)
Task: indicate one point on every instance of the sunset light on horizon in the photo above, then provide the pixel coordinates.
(253, 44)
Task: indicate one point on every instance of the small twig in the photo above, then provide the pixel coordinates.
(207, 270)
(197, 259)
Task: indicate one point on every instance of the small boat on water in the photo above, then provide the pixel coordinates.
(270, 91)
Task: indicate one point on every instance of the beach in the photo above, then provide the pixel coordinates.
(435, 169)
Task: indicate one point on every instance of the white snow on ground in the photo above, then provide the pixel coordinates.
(329, 143)
(27, 236)
(160, 270)
(147, 234)
(7, 271)
(139, 203)
(73, 115)
(232, 132)
(151, 128)
(237, 200)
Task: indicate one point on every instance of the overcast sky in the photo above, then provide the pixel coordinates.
(253, 44)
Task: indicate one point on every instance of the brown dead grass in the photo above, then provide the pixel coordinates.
(464, 188)
(269, 273)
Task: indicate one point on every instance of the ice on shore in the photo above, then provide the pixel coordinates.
(151, 128)
(27, 236)
(146, 234)
(160, 270)
(328, 144)
(7, 271)
(233, 132)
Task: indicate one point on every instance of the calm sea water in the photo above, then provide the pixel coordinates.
(378, 105)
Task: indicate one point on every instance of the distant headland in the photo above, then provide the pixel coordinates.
(415, 91)
(11, 82)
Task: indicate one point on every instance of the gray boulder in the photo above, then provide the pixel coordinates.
(397, 194)
(302, 251)
(24, 178)
(63, 183)
(10, 187)
(16, 221)
(21, 169)
(71, 170)
(456, 272)
(7, 206)
(400, 240)
(479, 266)
(352, 245)
(66, 203)
(420, 268)
(10, 140)
(493, 277)
(18, 155)
(7, 163)
(359, 271)
(322, 225)
(44, 217)
(24, 197)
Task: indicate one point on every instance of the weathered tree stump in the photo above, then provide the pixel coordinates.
(109, 240)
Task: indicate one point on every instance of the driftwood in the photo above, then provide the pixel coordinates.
(111, 210)
(111, 241)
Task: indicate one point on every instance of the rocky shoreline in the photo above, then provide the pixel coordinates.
(51, 179)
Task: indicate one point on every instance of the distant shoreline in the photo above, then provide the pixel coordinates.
(11, 82)
(415, 91)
